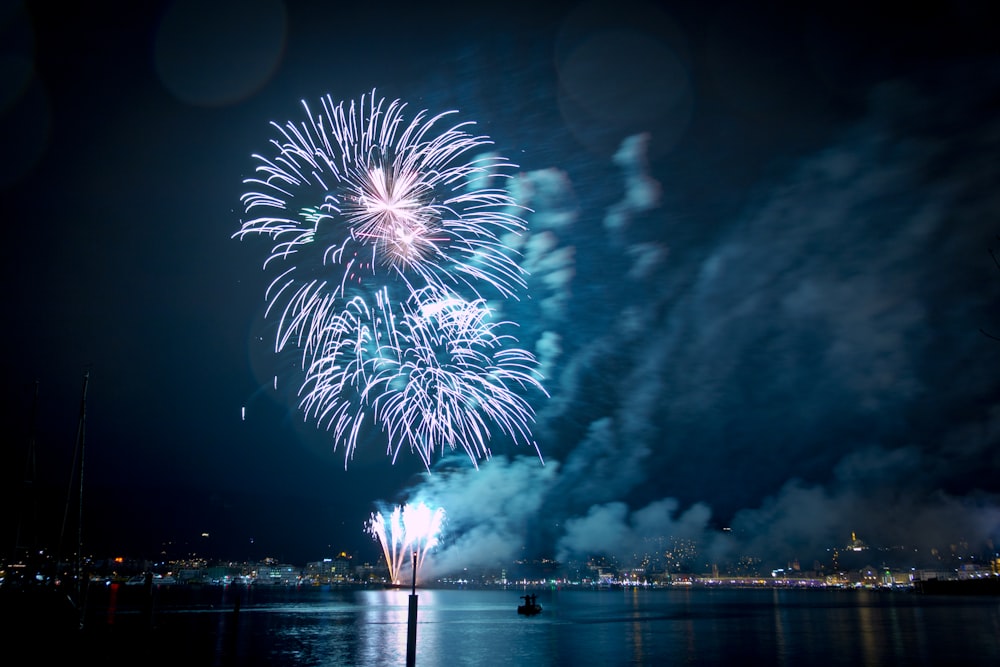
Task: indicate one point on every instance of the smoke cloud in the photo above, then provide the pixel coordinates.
(812, 368)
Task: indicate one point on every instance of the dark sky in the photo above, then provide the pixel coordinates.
(761, 287)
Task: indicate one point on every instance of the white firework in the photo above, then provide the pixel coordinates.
(352, 193)
(451, 377)
(386, 236)
(439, 379)
(408, 529)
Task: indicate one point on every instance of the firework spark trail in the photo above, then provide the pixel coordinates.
(335, 386)
(424, 524)
(359, 203)
(374, 196)
(409, 529)
(391, 535)
(434, 381)
(451, 377)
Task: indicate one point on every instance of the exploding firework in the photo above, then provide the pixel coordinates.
(409, 529)
(452, 377)
(388, 236)
(359, 195)
(436, 380)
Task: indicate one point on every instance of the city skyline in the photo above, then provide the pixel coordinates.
(759, 250)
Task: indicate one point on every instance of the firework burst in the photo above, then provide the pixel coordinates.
(407, 529)
(436, 380)
(356, 192)
(452, 376)
(386, 235)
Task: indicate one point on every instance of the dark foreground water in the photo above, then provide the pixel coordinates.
(323, 626)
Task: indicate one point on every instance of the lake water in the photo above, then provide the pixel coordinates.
(331, 627)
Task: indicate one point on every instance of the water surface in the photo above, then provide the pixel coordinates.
(332, 627)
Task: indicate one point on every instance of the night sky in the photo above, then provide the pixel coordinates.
(759, 243)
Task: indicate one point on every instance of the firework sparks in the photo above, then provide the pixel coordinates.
(387, 235)
(436, 380)
(355, 191)
(408, 529)
(451, 378)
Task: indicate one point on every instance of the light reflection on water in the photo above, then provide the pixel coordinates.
(624, 627)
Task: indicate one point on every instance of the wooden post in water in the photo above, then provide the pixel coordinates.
(411, 621)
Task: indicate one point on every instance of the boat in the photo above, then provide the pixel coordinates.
(530, 607)
(46, 592)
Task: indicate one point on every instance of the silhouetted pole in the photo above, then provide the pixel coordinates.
(73, 477)
(411, 621)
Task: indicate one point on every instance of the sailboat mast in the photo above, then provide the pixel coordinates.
(73, 477)
(81, 431)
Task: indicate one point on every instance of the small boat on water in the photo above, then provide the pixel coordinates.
(530, 607)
